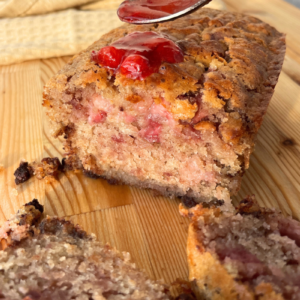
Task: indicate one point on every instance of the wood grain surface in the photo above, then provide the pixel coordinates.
(134, 220)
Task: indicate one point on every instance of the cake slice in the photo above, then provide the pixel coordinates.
(53, 259)
(253, 253)
(174, 107)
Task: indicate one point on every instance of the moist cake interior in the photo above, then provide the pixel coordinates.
(186, 130)
(142, 139)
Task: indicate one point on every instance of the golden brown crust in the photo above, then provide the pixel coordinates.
(232, 60)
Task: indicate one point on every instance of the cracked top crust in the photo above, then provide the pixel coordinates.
(231, 63)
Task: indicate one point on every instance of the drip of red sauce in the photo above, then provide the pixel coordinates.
(139, 10)
(139, 54)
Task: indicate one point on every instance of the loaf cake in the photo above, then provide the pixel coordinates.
(253, 253)
(54, 259)
(173, 107)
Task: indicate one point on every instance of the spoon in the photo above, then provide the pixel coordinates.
(153, 11)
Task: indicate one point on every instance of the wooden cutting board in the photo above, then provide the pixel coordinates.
(134, 220)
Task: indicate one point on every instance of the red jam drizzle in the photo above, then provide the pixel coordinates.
(139, 10)
(139, 54)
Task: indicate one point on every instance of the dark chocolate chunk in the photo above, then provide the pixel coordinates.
(22, 173)
(188, 202)
(36, 204)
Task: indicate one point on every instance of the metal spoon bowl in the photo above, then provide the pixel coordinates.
(157, 14)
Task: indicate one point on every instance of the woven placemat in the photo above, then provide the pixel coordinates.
(52, 35)
(20, 8)
(59, 33)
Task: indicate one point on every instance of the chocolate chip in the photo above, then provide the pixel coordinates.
(112, 79)
(188, 202)
(191, 96)
(22, 173)
(68, 130)
(36, 204)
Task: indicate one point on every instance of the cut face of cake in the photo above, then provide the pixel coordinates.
(173, 107)
(54, 259)
(251, 254)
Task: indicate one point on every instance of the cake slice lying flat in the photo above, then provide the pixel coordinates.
(173, 107)
(252, 254)
(57, 260)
